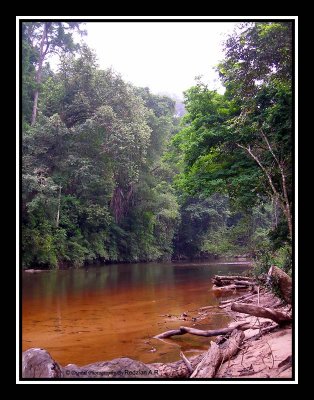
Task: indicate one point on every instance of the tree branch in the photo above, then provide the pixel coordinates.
(270, 148)
(248, 149)
(285, 199)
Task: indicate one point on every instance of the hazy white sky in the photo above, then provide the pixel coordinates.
(166, 57)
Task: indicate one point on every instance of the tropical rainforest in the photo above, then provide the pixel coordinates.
(112, 173)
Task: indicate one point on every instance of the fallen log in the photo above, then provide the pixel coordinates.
(232, 280)
(257, 311)
(216, 355)
(207, 367)
(233, 277)
(229, 288)
(186, 362)
(199, 332)
(241, 298)
(246, 283)
(34, 271)
(278, 277)
(219, 283)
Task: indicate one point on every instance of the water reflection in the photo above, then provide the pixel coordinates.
(103, 312)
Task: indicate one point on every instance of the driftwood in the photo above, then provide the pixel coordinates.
(285, 364)
(246, 283)
(216, 355)
(207, 367)
(198, 332)
(227, 283)
(232, 277)
(278, 276)
(186, 362)
(229, 288)
(220, 283)
(262, 331)
(34, 271)
(257, 311)
(241, 298)
(232, 282)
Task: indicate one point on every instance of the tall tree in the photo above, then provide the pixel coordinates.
(46, 38)
(257, 73)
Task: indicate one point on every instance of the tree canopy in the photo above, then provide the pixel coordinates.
(110, 172)
(88, 190)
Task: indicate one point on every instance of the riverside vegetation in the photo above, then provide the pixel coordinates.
(111, 173)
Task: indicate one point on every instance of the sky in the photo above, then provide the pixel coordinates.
(166, 57)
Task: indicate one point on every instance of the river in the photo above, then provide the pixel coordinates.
(103, 312)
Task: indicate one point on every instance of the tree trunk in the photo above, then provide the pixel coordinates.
(283, 280)
(216, 355)
(286, 199)
(289, 219)
(42, 55)
(257, 311)
(58, 212)
(275, 211)
(282, 197)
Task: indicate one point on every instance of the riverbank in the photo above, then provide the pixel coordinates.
(262, 354)
(231, 259)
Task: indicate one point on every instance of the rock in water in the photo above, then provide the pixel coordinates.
(38, 363)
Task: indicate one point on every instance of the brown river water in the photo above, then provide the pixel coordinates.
(103, 312)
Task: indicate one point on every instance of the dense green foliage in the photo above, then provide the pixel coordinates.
(97, 143)
(239, 145)
(111, 174)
